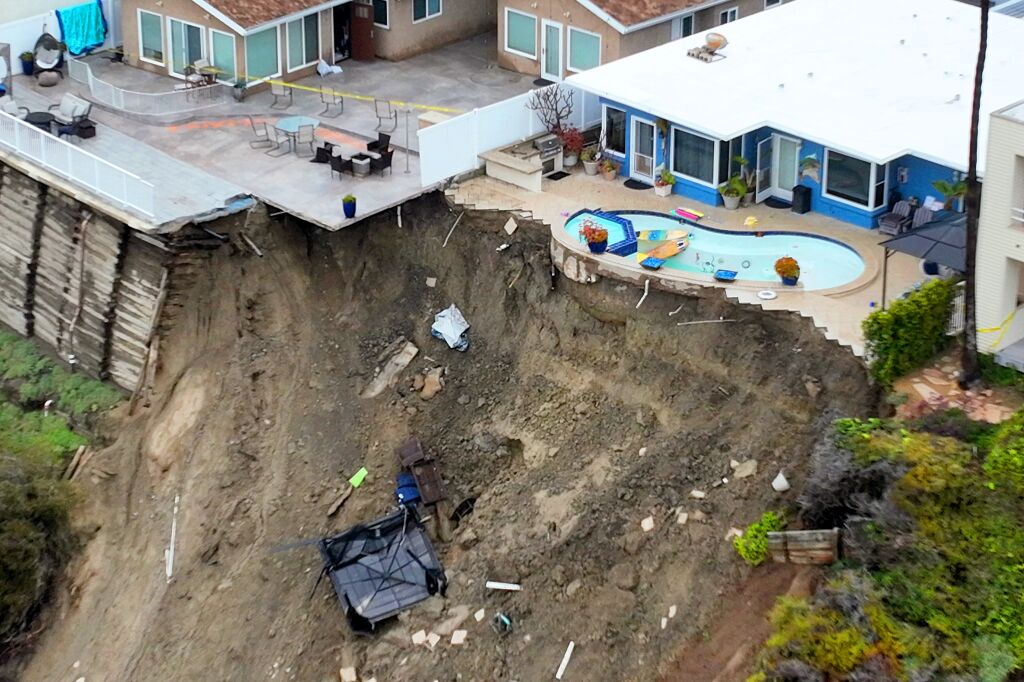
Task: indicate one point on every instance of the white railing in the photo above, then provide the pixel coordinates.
(957, 312)
(164, 104)
(75, 164)
(1017, 214)
(452, 147)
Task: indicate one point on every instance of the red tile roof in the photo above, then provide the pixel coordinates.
(250, 13)
(631, 12)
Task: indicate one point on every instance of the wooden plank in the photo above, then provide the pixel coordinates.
(804, 546)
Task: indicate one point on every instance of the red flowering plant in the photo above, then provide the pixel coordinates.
(572, 140)
(592, 233)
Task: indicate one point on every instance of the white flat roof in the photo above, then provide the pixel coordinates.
(874, 78)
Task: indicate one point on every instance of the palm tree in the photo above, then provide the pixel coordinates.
(972, 203)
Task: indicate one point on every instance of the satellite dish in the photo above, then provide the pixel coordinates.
(715, 42)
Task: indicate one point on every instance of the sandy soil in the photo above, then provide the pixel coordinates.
(256, 423)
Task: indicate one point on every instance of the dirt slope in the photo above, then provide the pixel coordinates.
(256, 423)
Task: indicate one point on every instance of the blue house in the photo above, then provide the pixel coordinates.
(860, 102)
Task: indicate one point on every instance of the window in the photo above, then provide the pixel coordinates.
(381, 13)
(303, 41)
(693, 156)
(261, 54)
(425, 9)
(728, 151)
(520, 33)
(614, 130)
(151, 37)
(682, 27)
(731, 14)
(584, 49)
(768, 4)
(222, 55)
(854, 180)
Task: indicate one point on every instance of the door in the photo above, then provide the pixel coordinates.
(642, 151)
(362, 32)
(763, 178)
(551, 51)
(785, 170)
(222, 55)
(186, 46)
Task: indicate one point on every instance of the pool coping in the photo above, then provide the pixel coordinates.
(620, 265)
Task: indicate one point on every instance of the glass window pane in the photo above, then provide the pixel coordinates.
(688, 25)
(615, 130)
(312, 38)
(848, 178)
(261, 53)
(584, 50)
(521, 33)
(435, 6)
(224, 56)
(693, 155)
(419, 9)
(380, 12)
(152, 36)
(294, 29)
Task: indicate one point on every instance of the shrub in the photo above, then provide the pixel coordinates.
(997, 375)
(995, 659)
(1005, 463)
(753, 544)
(36, 436)
(909, 332)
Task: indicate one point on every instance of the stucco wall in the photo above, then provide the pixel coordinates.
(459, 19)
(709, 18)
(645, 39)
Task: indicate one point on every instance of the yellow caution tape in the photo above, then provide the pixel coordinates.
(1002, 328)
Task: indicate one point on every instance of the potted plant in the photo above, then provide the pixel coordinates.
(28, 65)
(747, 175)
(664, 182)
(950, 191)
(732, 192)
(590, 163)
(348, 202)
(596, 237)
(238, 90)
(609, 169)
(572, 143)
(788, 269)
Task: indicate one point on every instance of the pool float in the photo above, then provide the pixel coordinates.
(662, 235)
(656, 257)
(689, 214)
(726, 275)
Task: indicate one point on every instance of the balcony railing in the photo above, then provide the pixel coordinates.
(77, 165)
(162, 104)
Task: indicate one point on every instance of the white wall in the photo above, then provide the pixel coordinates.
(22, 22)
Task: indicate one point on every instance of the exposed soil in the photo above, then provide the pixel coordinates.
(256, 423)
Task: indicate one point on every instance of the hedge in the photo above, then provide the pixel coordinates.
(909, 332)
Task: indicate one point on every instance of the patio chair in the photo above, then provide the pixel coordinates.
(305, 136)
(895, 221)
(278, 140)
(922, 216)
(47, 55)
(341, 165)
(383, 163)
(195, 75)
(385, 112)
(380, 145)
(331, 99)
(281, 92)
(73, 129)
(260, 135)
(70, 109)
(9, 106)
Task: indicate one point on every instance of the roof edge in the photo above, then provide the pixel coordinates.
(632, 28)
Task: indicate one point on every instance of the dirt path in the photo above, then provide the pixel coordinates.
(572, 417)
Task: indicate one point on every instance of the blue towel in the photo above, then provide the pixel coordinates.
(83, 27)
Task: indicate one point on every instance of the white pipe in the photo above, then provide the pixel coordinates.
(565, 660)
(169, 554)
(647, 290)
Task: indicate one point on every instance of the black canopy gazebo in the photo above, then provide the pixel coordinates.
(941, 241)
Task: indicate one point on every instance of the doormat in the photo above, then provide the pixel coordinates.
(557, 176)
(542, 82)
(635, 184)
(772, 202)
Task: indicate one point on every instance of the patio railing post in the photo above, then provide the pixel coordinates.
(408, 114)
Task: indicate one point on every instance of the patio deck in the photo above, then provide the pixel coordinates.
(459, 77)
(838, 313)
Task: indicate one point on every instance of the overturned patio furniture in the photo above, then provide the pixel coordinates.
(380, 145)
(424, 470)
(10, 107)
(897, 220)
(70, 109)
(385, 113)
(281, 92)
(331, 99)
(382, 568)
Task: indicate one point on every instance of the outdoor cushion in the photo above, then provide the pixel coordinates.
(47, 59)
(70, 108)
(9, 106)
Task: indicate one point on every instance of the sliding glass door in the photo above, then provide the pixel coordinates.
(186, 45)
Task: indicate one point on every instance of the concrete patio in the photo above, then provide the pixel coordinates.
(837, 312)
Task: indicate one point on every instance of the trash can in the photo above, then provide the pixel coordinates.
(801, 199)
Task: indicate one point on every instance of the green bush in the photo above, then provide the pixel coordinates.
(753, 544)
(1005, 461)
(997, 375)
(907, 334)
(36, 436)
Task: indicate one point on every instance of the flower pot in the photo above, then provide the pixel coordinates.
(569, 160)
(748, 199)
(663, 190)
(238, 93)
(731, 202)
(27, 66)
(350, 209)
(590, 167)
(609, 175)
(598, 247)
(790, 281)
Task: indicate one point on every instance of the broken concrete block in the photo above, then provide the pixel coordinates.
(733, 533)
(479, 615)
(511, 226)
(458, 637)
(431, 282)
(672, 611)
(682, 518)
(664, 623)
(347, 675)
(432, 639)
(746, 469)
(432, 383)
(388, 375)
(647, 524)
(698, 494)
(419, 637)
(780, 484)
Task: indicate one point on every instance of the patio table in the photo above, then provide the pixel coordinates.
(290, 126)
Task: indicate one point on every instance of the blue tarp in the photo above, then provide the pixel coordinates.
(83, 27)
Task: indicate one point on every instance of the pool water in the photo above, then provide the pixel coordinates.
(824, 263)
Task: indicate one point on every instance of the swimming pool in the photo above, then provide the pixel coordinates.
(824, 263)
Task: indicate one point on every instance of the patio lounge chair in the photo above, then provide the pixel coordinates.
(380, 145)
(9, 106)
(922, 216)
(197, 74)
(260, 135)
(305, 136)
(385, 112)
(280, 92)
(383, 163)
(331, 99)
(277, 140)
(341, 165)
(895, 221)
(70, 109)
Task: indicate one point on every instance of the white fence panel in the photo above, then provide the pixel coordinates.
(447, 149)
(147, 103)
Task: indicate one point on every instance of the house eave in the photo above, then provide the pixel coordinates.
(633, 28)
(243, 31)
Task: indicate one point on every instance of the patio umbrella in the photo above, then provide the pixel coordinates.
(941, 241)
